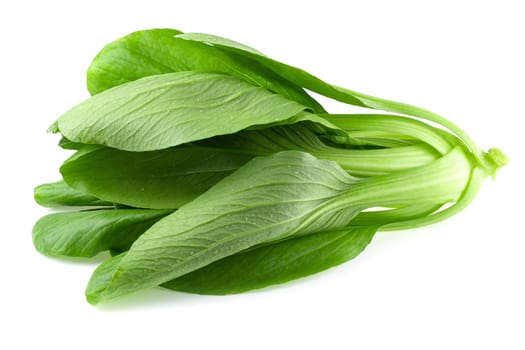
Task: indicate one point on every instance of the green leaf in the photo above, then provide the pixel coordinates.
(87, 233)
(292, 258)
(137, 55)
(172, 177)
(267, 199)
(157, 51)
(270, 199)
(103, 276)
(59, 194)
(216, 40)
(356, 160)
(276, 263)
(68, 144)
(306, 80)
(294, 75)
(158, 179)
(166, 110)
(281, 261)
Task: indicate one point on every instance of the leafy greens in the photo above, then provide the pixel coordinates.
(205, 166)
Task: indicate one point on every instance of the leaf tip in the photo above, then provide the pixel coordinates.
(53, 128)
(93, 298)
(96, 290)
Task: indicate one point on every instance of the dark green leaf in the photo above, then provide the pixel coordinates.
(157, 51)
(59, 194)
(276, 263)
(158, 179)
(87, 233)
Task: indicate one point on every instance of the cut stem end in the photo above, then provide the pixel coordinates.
(496, 159)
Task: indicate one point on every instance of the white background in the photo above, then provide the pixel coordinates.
(455, 285)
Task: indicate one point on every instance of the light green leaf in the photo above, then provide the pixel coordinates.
(104, 273)
(281, 261)
(267, 199)
(219, 41)
(167, 110)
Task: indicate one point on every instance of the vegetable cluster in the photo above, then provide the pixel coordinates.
(206, 167)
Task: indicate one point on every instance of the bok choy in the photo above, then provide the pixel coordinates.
(204, 166)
